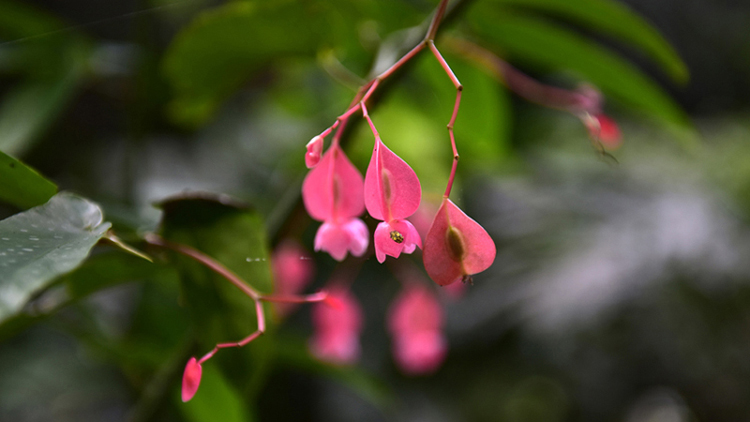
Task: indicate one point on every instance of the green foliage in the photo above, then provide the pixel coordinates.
(44, 242)
(21, 185)
(537, 42)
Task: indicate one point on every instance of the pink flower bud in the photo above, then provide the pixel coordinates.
(191, 379)
(415, 321)
(314, 148)
(337, 328)
(603, 129)
(456, 246)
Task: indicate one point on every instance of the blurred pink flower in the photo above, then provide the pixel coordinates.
(191, 379)
(416, 322)
(392, 193)
(293, 269)
(604, 129)
(333, 193)
(337, 323)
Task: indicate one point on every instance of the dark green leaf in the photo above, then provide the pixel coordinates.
(40, 244)
(616, 19)
(21, 185)
(539, 43)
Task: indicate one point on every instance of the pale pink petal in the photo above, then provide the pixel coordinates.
(314, 148)
(456, 246)
(293, 270)
(334, 189)
(420, 353)
(337, 328)
(390, 183)
(414, 310)
(191, 379)
(337, 239)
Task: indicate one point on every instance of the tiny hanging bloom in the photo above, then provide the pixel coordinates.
(415, 321)
(337, 322)
(392, 193)
(314, 149)
(603, 129)
(292, 270)
(456, 246)
(191, 379)
(333, 193)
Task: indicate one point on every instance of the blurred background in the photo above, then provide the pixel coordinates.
(620, 288)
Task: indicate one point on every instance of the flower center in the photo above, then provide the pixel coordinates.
(455, 244)
(397, 237)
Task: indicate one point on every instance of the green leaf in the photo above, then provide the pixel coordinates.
(38, 245)
(542, 44)
(216, 400)
(616, 19)
(21, 185)
(223, 47)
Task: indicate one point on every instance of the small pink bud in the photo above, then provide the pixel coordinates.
(456, 246)
(337, 328)
(603, 129)
(314, 149)
(191, 379)
(415, 321)
(293, 269)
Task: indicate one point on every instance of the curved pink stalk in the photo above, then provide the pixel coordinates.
(416, 321)
(456, 246)
(392, 193)
(333, 193)
(191, 379)
(337, 328)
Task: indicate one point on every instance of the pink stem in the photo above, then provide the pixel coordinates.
(459, 89)
(432, 31)
(315, 297)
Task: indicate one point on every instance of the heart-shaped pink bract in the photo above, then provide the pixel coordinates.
(191, 379)
(392, 189)
(416, 323)
(456, 246)
(333, 192)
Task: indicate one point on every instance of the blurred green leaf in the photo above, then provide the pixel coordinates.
(19, 20)
(542, 44)
(21, 185)
(223, 47)
(616, 19)
(42, 243)
(216, 400)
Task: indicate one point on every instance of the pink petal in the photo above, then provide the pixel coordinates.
(392, 238)
(191, 379)
(334, 188)
(314, 148)
(456, 246)
(420, 353)
(390, 183)
(415, 309)
(293, 269)
(337, 239)
(337, 328)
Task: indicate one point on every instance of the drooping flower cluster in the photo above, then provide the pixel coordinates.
(337, 323)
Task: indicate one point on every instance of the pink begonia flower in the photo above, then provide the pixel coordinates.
(337, 323)
(456, 246)
(333, 193)
(314, 149)
(416, 323)
(392, 193)
(293, 270)
(191, 379)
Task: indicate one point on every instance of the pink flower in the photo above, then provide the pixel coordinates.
(456, 246)
(292, 270)
(333, 193)
(191, 379)
(416, 322)
(603, 129)
(392, 193)
(337, 323)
